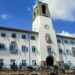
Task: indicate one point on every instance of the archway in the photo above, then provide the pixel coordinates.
(50, 61)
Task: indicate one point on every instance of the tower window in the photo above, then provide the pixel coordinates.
(48, 38)
(43, 9)
(49, 48)
(34, 14)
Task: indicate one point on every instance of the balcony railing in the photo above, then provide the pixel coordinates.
(49, 41)
(13, 51)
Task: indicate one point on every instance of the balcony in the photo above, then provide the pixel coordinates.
(48, 38)
(13, 51)
(49, 41)
(13, 47)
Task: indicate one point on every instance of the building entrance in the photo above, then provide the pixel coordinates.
(50, 61)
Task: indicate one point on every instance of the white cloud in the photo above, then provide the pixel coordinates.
(4, 16)
(62, 9)
(66, 34)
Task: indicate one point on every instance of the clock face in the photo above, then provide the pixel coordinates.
(48, 38)
(46, 26)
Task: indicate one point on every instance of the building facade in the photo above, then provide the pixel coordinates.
(34, 47)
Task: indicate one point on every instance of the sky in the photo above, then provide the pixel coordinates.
(18, 14)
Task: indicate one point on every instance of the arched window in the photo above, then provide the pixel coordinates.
(13, 46)
(48, 38)
(43, 9)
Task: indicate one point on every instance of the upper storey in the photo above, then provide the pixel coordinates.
(41, 9)
(15, 34)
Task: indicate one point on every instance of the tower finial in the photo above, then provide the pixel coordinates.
(41, 9)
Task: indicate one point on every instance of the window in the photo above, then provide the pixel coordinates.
(32, 37)
(3, 34)
(70, 64)
(23, 62)
(68, 52)
(33, 49)
(13, 35)
(43, 9)
(61, 63)
(24, 48)
(12, 61)
(2, 46)
(33, 62)
(59, 40)
(49, 48)
(23, 36)
(13, 47)
(60, 51)
(66, 41)
(46, 26)
(72, 42)
(1, 62)
(48, 38)
(73, 51)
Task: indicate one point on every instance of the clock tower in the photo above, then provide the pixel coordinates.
(47, 42)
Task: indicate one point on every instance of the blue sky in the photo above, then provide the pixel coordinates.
(18, 14)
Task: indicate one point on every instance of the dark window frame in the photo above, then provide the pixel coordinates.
(34, 62)
(59, 40)
(24, 63)
(60, 51)
(33, 49)
(49, 49)
(23, 36)
(13, 35)
(2, 46)
(43, 9)
(32, 37)
(66, 41)
(3, 35)
(24, 48)
(73, 52)
(72, 42)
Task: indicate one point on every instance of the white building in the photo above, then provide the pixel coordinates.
(34, 47)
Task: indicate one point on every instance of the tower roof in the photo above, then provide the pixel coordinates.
(41, 9)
